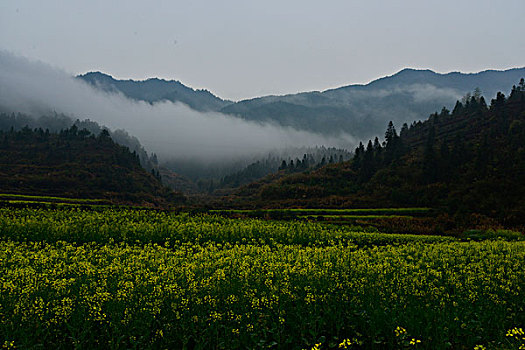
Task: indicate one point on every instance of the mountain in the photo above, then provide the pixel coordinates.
(156, 90)
(359, 110)
(364, 110)
(76, 163)
(470, 160)
(489, 81)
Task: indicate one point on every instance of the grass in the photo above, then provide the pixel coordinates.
(46, 199)
(373, 211)
(355, 217)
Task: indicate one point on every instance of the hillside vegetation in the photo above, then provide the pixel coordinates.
(76, 163)
(470, 160)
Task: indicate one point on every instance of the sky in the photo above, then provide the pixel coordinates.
(241, 49)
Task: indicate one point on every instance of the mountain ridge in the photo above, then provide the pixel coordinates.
(364, 110)
(359, 110)
(98, 76)
(155, 90)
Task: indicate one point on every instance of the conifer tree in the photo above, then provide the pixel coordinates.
(429, 158)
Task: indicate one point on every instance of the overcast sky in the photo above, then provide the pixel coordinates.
(239, 49)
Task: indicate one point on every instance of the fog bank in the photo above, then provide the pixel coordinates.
(172, 130)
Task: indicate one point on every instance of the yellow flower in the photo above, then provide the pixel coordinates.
(317, 346)
(400, 331)
(414, 341)
(345, 344)
(8, 345)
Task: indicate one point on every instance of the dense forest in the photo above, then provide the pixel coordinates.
(187, 176)
(76, 163)
(312, 158)
(54, 122)
(469, 160)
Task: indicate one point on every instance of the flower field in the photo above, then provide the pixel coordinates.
(145, 279)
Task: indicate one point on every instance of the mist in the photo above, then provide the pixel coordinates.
(171, 130)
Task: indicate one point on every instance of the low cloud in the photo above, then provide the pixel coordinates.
(430, 93)
(172, 130)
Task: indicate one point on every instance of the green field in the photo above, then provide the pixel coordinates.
(47, 199)
(355, 217)
(318, 212)
(72, 278)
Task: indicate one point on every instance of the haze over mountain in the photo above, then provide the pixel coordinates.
(359, 110)
(231, 135)
(171, 130)
(157, 90)
(365, 110)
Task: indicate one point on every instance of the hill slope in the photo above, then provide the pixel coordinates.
(470, 160)
(75, 163)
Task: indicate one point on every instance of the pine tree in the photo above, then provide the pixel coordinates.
(444, 112)
(458, 108)
(377, 144)
(390, 133)
(429, 158)
(358, 155)
(404, 129)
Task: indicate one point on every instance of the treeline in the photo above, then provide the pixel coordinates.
(462, 142)
(470, 160)
(313, 158)
(315, 161)
(76, 163)
(56, 122)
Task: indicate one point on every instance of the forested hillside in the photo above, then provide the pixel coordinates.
(76, 163)
(469, 160)
(56, 122)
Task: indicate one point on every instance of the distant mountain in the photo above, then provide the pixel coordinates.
(156, 90)
(470, 160)
(364, 110)
(489, 82)
(359, 110)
